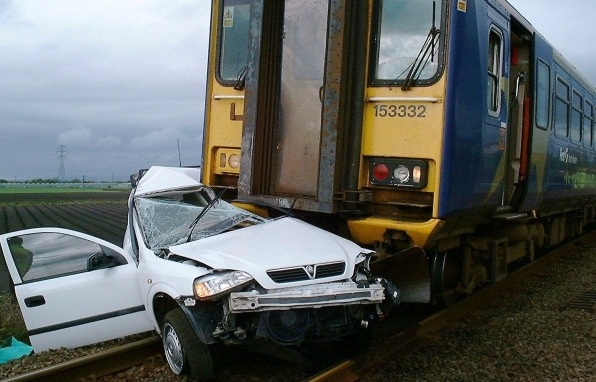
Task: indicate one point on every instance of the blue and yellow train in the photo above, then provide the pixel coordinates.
(449, 135)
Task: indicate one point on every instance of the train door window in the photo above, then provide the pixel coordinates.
(233, 45)
(407, 42)
(562, 109)
(495, 54)
(542, 94)
(588, 124)
(575, 131)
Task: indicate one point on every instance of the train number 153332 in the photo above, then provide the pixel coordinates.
(400, 111)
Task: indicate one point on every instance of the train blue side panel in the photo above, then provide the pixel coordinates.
(471, 172)
(562, 171)
(570, 165)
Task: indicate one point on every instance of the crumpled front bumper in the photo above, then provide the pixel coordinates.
(310, 296)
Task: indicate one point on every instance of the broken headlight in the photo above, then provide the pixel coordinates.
(213, 286)
(362, 268)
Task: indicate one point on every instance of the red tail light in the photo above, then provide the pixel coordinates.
(380, 171)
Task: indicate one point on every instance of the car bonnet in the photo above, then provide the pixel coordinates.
(276, 244)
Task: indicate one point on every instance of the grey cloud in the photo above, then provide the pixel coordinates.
(104, 78)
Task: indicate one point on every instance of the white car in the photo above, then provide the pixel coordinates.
(196, 269)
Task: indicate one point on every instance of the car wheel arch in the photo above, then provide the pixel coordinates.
(202, 317)
(162, 303)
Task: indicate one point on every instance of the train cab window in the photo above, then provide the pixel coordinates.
(588, 124)
(576, 127)
(562, 109)
(542, 94)
(495, 55)
(407, 42)
(233, 45)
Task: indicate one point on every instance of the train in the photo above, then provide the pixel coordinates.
(448, 135)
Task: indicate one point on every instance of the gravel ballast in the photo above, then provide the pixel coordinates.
(528, 334)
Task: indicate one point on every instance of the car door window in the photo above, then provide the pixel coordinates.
(49, 254)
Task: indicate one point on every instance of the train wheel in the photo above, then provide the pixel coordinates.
(446, 274)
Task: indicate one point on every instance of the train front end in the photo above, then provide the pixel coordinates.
(358, 117)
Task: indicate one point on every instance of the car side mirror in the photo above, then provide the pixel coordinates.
(100, 260)
(135, 178)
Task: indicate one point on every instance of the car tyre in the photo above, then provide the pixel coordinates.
(184, 352)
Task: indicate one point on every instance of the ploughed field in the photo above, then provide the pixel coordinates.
(102, 214)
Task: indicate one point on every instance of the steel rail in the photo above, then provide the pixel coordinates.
(100, 364)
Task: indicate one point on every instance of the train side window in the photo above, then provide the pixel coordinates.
(495, 55)
(576, 128)
(562, 109)
(588, 124)
(542, 94)
(233, 44)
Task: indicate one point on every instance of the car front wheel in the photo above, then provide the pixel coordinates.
(184, 352)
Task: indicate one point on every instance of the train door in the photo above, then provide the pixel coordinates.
(498, 77)
(292, 109)
(296, 137)
(536, 121)
(520, 116)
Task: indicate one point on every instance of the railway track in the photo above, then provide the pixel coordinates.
(108, 362)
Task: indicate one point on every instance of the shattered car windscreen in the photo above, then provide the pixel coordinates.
(165, 222)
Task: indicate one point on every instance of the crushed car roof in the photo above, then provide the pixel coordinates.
(159, 180)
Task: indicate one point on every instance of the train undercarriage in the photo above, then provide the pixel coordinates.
(458, 264)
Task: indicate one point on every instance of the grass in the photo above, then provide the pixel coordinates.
(54, 190)
(37, 196)
(11, 320)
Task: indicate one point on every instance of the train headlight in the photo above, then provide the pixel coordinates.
(234, 161)
(227, 161)
(401, 173)
(416, 174)
(411, 173)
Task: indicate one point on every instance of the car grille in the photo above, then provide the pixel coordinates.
(307, 272)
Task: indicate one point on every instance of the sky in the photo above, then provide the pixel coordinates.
(119, 85)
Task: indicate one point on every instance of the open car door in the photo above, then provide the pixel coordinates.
(73, 289)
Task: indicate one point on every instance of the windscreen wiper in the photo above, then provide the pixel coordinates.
(427, 51)
(241, 79)
(203, 212)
